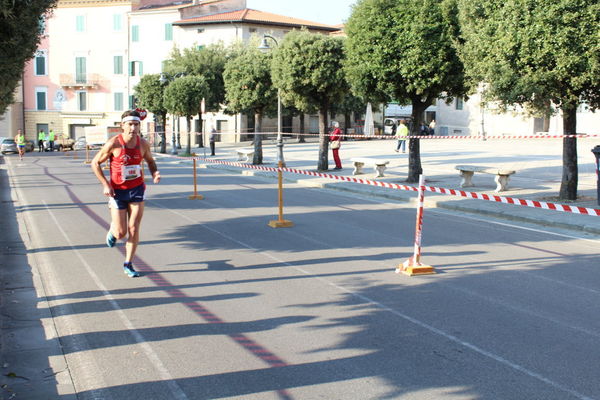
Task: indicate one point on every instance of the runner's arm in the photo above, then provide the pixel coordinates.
(102, 156)
(150, 161)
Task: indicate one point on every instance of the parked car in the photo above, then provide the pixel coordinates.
(8, 145)
(60, 143)
(80, 143)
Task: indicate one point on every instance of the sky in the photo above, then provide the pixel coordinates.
(332, 12)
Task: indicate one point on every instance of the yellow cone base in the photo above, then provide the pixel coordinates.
(87, 162)
(196, 197)
(281, 224)
(410, 268)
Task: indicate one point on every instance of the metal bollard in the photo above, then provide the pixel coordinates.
(596, 151)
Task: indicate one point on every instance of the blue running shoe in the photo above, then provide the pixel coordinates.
(129, 271)
(110, 239)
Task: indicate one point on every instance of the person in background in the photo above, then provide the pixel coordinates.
(212, 138)
(51, 139)
(41, 138)
(423, 129)
(401, 135)
(335, 139)
(20, 141)
(432, 127)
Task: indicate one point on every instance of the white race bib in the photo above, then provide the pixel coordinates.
(130, 172)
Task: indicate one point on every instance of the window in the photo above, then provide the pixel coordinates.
(80, 23)
(118, 99)
(118, 65)
(82, 100)
(168, 32)
(132, 101)
(200, 30)
(252, 30)
(200, 47)
(117, 22)
(40, 63)
(40, 98)
(459, 103)
(136, 68)
(42, 25)
(135, 33)
(80, 70)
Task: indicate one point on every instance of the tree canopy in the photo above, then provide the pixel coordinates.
(402, 50)
(308, 69)
(538, 54)
(150, 96)
(249, 89)
(20, 28)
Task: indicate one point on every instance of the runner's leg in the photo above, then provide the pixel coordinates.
(135, 212)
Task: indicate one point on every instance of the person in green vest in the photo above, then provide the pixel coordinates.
(401, 134)
(51, 139)
(41, 138)
(20, 140)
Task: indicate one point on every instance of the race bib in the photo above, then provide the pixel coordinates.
(130, 172)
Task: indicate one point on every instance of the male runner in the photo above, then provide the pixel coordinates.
(126, 186)
(20, 141)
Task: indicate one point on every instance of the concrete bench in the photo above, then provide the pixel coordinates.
(502, 175)
(359, 163)
(244, 154)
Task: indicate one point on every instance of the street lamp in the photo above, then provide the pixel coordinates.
(163, 80)
(264, 46)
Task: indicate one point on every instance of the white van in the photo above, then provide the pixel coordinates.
(391, 124)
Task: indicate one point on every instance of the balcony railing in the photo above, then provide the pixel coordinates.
(79, 80)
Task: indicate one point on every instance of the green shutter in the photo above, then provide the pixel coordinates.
(41, 100)
(118, 101)
(40, 65)
(118, 65)
(131, 102)
(117, 25)
(168, 32)
(80, 73)
(135, 33)
(80, 23)
(140, 71)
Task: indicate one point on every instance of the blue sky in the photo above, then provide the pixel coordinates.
(331, 12)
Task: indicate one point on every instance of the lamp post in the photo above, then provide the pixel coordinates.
(163, 80)
(264, 46)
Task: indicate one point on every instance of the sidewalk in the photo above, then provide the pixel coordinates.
(538, 163)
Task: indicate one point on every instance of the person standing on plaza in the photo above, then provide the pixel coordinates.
(335, 139)
(211, 140)
(41, 138)
(51, 139)
(432, 127)
(125, 188)
(401, 135)
(20, 141)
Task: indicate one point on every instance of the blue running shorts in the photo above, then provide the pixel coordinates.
(125, 196)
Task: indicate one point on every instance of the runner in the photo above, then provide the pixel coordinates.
(20, 141)
(126, 186)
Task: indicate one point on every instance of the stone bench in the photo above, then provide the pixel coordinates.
(244, 154)
(502, 175)
(359, 163)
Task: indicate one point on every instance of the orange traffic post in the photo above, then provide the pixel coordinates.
(280, 223)
(87, 155)
(195, 196)
(413, 265)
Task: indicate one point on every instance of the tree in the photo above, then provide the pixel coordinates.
(248, 89)
(307, 68)
(182, 97)
(21, 24)
(150, 95)
(536, 54)
(402, 50)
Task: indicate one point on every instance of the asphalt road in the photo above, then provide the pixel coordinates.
(228, 307)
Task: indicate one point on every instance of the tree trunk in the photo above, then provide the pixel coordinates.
(188, 146)
(200, 132)
(163, 134)
(301, 136)
(414, 145)
(323, 164)
(258, 156)
(568, 185)
(347, 124)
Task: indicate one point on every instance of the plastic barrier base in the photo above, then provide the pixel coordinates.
(411, 268)
(281, 224)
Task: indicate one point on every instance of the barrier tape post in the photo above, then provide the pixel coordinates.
(87, 155)
(413, 265)
(195, 196)
(280, 223)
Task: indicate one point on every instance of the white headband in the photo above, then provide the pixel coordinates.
(131, 118)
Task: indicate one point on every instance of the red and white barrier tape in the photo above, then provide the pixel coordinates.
(453, 192)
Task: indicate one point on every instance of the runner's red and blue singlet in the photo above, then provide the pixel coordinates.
(126, 169)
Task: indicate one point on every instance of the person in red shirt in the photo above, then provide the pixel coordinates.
(335, 140)
(126, 186)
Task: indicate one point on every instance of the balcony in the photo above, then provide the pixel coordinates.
(80, 81)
